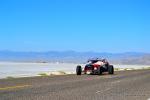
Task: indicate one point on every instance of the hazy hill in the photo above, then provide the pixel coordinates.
(75, 57)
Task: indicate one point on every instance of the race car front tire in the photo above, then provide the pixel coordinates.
(78, 70)
(111, 69)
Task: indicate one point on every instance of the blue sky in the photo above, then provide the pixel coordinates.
(80, 25)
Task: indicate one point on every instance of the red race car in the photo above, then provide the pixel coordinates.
(95, 66)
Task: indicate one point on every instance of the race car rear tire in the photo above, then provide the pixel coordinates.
(100, 71)
(111, 69)
(78, 70)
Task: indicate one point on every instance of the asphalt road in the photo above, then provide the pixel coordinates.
(126, 85)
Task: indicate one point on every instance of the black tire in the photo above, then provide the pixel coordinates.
(100, 71)
(78, 70)
(111, 69)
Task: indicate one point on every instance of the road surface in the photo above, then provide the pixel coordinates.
(125, 85)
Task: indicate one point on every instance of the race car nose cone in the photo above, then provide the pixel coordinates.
(95, 68)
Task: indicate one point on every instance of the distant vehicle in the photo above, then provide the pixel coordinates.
(95, 67)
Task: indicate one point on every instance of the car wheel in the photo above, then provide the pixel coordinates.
(111, 69)
(78, 70)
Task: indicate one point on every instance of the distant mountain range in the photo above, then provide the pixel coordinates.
(75, 57)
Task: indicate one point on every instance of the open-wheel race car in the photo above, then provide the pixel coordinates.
(95, 67)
